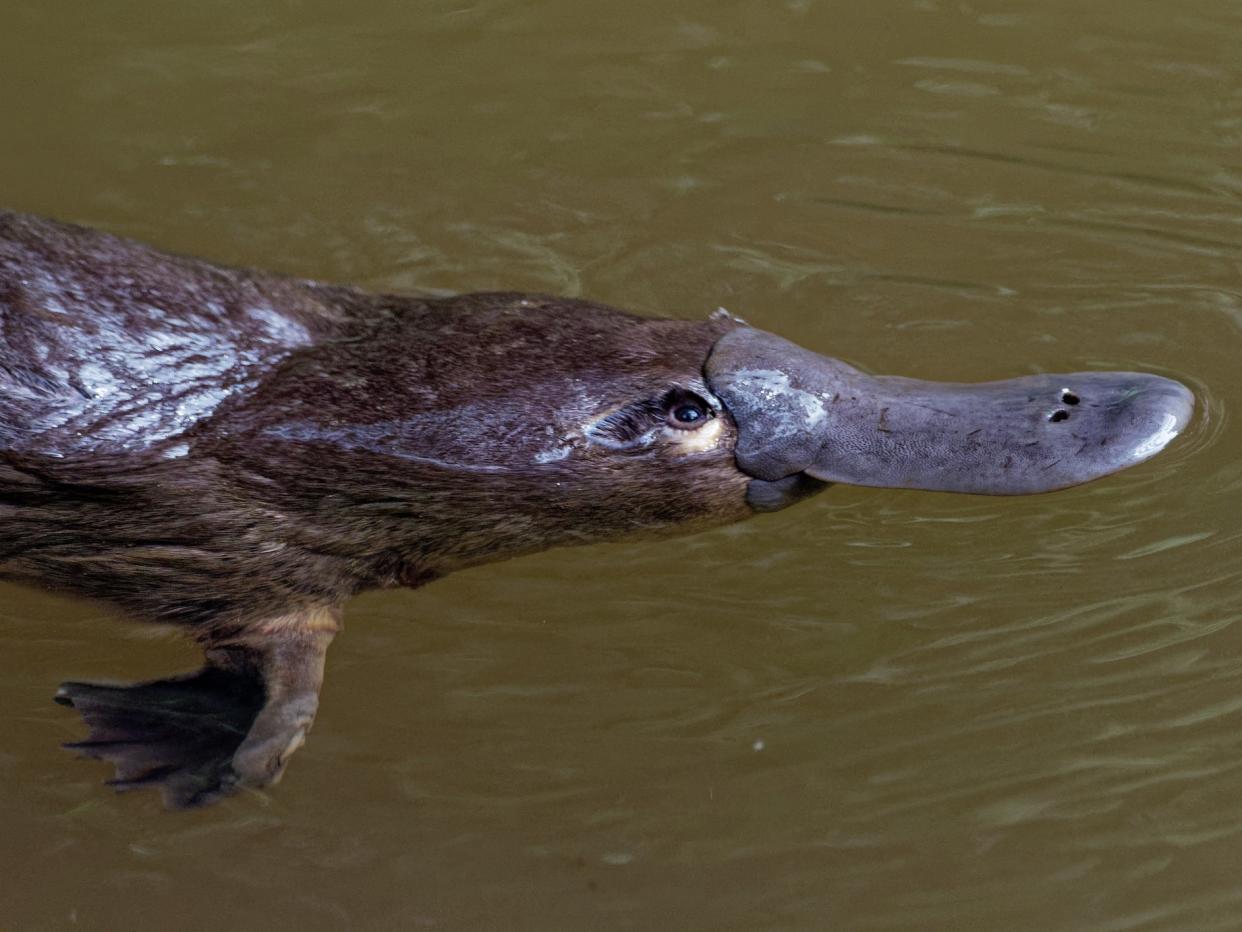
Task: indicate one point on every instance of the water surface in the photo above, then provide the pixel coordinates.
(879, 710)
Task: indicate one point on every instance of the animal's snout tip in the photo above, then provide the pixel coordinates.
(1166, 407)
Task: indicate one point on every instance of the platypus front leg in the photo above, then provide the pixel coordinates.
(287, 655)
(233, 724)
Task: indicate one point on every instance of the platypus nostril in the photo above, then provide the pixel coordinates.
(1058, 415)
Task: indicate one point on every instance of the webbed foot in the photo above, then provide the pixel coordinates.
(179, 734)
(204, 736)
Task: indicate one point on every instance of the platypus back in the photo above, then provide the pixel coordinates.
(107, 345)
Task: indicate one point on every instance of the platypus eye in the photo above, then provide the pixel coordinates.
(686, 410)
(687, 414)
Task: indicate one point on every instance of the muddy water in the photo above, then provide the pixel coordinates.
(879, 710)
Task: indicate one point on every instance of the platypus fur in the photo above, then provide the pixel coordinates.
(239, 453)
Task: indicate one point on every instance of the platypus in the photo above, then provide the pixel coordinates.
(238, 453)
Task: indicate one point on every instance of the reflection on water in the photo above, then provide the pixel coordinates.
(877, 710)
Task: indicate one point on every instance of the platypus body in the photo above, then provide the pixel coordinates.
(239, 453)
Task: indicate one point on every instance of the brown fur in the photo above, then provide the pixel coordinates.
(360, 440)
(240, 453)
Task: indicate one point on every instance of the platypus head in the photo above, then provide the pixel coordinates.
(492, 425)
(796, 421)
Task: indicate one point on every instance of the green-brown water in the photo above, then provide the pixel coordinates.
(879, 710)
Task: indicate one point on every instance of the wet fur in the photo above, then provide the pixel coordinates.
(357, 441)
(239, 453)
